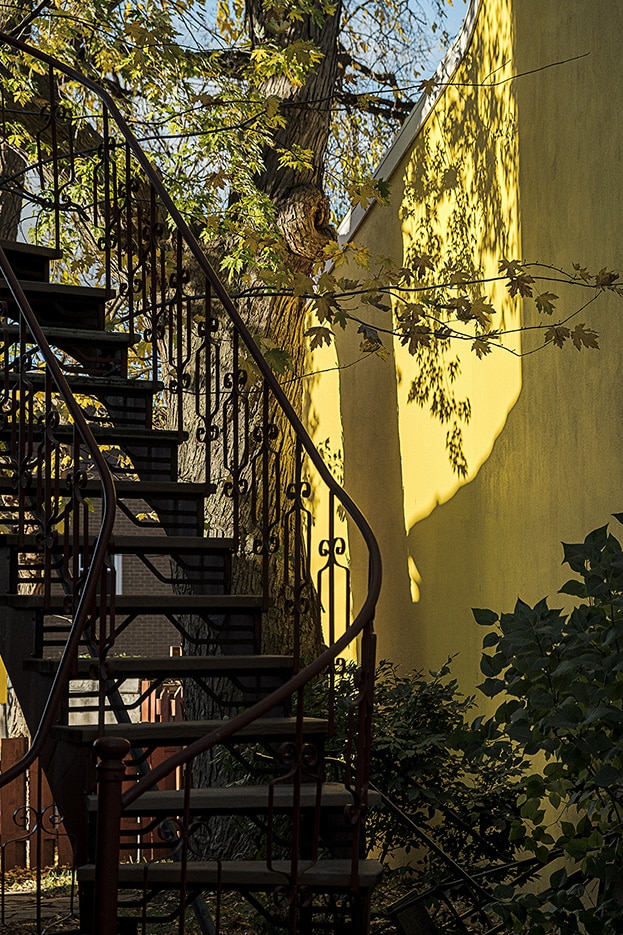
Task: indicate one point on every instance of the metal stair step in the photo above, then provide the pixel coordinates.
(126, 545)
(146, 603)
(96, 351)
(137, 490)
(57, 302)
(241, 799)
(178, 507)
(174, 490)
(153, 452)
(57, 335)
(29, 261)
(126, 402)
(112, 434)
(179, 733)
(325, 875)
(173, 667)
(102, 386)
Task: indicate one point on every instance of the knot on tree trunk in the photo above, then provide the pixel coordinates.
(304, 220)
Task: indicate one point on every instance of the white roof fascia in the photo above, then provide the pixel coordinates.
(415, 120)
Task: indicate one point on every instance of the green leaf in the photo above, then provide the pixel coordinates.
(608, 776)
(484, 618)
(576, 848)
(504, 891)
(279, 359)
(492, 687)
(573, 587)
(491, 639)
(558, 878)
(492, 665)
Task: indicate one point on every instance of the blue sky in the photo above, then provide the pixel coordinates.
(456, 15)
(456, 10)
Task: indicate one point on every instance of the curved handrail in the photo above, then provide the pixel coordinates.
(109, 507)
(366, 612)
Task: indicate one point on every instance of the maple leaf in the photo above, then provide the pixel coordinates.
(558, 334)
(272, 105)
(545, 302)
(462, 306)
(415, 336)
(324, 306)
(428, 87)
(384, 190)
(326, 283)
(458, 278)
(582, 272)
(375, 299)
(519, 282)
(319, 336)
(279, 359)
(584, 337)
(369, 191)
(345, 285)
(481, 311)
(508, 267)
(303, 285)
(340, 317)
(412, 311)
(371, 340)
(606, 278)
(481, 347)
(520, 285)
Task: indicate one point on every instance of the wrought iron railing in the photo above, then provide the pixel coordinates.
(270, 495)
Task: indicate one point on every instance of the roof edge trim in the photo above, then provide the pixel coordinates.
(414, 122)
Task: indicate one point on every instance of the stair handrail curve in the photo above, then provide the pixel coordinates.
(98, 557)
(365, 614)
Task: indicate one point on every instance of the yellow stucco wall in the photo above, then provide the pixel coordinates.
(528, 168)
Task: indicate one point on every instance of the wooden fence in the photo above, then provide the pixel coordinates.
(31, 828)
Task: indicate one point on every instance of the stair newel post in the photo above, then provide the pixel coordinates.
(110, 775)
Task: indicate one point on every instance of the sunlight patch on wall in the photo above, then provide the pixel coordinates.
(415, 579)
(461, 208)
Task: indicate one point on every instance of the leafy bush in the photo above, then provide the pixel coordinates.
(431, 764)
(561, 679)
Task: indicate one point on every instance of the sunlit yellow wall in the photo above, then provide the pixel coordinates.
(460, 207)
(321, 403)
(529, 168)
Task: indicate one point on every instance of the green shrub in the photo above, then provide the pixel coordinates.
(560, 676)
(433, 765)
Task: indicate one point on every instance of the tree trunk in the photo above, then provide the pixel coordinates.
(12, 165)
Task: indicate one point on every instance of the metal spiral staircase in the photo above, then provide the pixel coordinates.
(108, 373)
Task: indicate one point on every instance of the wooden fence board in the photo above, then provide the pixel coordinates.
(13, 805)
